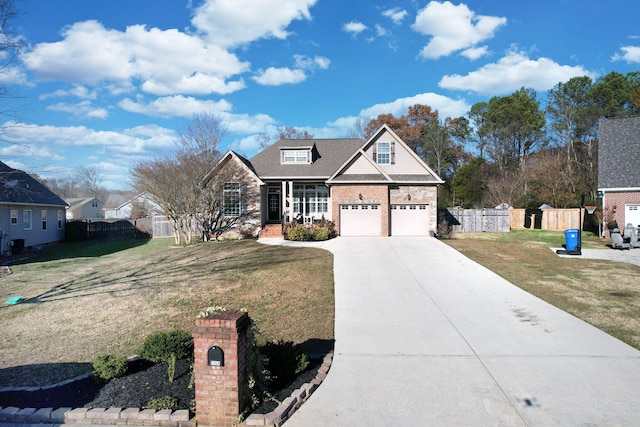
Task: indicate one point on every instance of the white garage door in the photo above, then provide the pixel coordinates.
(360, 220)
(632, 215)
(409, 220)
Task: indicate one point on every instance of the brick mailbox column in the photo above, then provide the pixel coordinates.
(220, 345)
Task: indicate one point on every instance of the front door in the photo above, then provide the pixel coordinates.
(275, 207)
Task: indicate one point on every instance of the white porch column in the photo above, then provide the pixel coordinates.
(290, 199)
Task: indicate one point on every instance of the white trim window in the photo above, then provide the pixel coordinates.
(311, 200)
(26, 219)
(14, 217)
(59, 220)
(232, 199)
(44, 220)
(295, 156)
(383, 153)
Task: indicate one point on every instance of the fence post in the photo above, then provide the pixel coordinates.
(220, 348)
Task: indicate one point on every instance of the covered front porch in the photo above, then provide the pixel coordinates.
(305, 202)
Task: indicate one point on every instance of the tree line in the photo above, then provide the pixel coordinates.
(513, 149)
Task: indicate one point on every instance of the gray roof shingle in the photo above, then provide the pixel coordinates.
(328, 156)
(18, 187)
(619, 153)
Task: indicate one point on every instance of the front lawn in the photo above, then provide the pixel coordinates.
(90, 298)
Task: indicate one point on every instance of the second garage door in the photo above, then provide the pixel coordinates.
(360, 220)
(410, 220)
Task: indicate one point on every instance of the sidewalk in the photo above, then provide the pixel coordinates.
(427, 337)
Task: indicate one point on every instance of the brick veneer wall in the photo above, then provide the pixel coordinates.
(419, 195)
(219, 388)
(371, 194)
(619, 199)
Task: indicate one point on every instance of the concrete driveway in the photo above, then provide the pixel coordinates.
(427, 337)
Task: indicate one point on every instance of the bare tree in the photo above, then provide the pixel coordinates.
(358, 130)
(289, 132)
(228, 196)
(174, 183)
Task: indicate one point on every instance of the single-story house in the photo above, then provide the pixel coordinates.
(84, 208)
(378, 187)
(619, 169)
(30, 213)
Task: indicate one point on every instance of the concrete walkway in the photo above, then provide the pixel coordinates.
(630, 256)
(427, 337)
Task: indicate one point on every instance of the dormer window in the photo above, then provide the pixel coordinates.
(297, 156)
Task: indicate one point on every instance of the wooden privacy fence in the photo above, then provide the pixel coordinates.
(470, 220)
(502, 220)
(106, 229)
(545, 219)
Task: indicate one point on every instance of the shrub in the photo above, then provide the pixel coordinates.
(445, 230)
(283, 361)
(164, 402)
(159, 346)
(320, 233)
(108, 366)
(297, 232)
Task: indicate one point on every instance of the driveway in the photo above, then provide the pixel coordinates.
(425, 336)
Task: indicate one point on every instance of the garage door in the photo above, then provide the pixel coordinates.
(360, 220)
(409, 220)
(632, 215)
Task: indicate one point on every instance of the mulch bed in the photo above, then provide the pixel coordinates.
(144, 382)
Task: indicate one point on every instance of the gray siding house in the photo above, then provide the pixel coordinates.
(30, 214)
(619, 169)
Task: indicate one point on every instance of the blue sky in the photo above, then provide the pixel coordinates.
(108, 84)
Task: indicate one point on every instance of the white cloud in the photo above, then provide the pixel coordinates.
(279, 76)
(81, 110)
(629, 54)
(446, 107)
(29, 151)
(381, 31)
(510, 73)
(474, 53)
(163, 62)
(396, 15)
(173, 106)
(306, 63)
(354, 27)
(453, 28)
(230, 23)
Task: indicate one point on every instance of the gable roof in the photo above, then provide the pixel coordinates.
(241, 160)
(76, 202)
(20, 188)
(328, 156)
(619, 153)
(375, 172)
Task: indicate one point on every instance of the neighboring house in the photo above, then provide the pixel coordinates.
(619, 169)
(114, 200)
(84, 208)
(140, 203)
(375, 188)
(30, 214)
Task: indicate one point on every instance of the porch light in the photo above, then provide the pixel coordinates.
(360, 196)
(408, 196)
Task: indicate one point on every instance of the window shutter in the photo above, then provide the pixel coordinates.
(375, 154)
(393, 152)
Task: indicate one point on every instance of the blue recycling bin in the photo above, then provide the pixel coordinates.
(571, 239)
